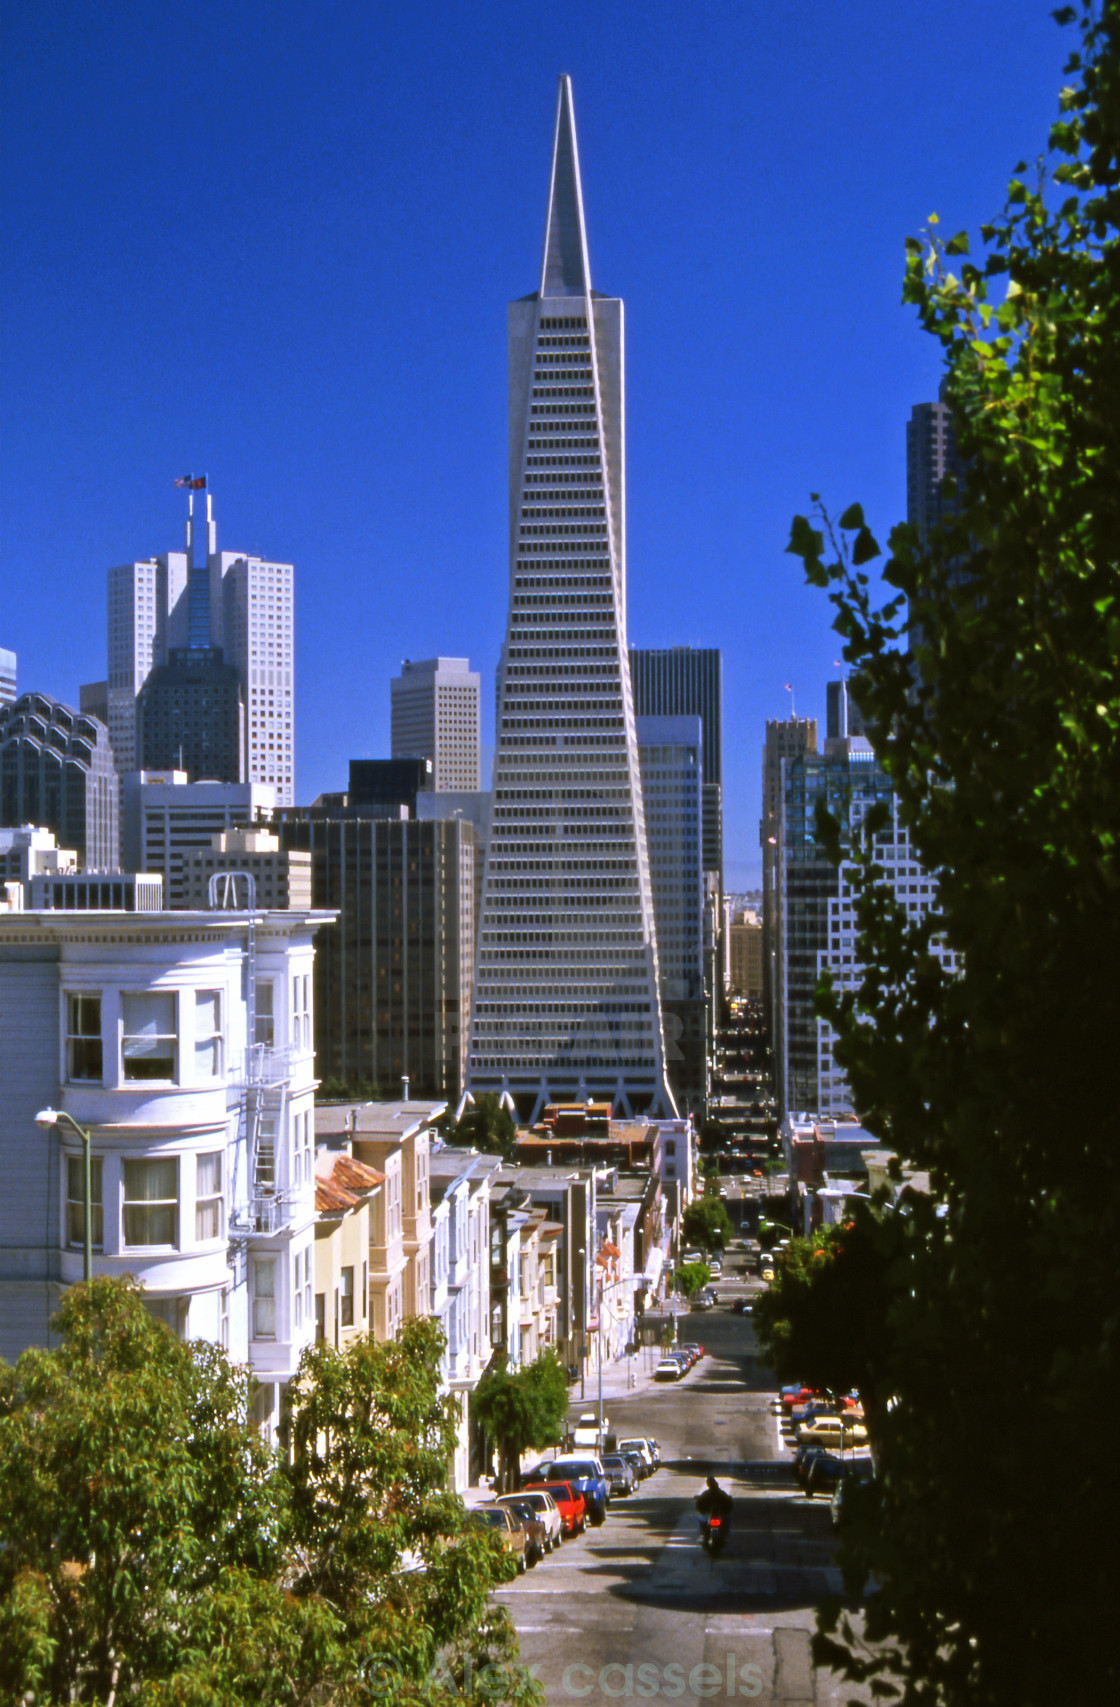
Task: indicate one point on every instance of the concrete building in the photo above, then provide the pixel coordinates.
(238, 610)
(687, 681)
(745, 970)
(7, 677)
(786, 738)
(145, 1029)
(27, 851)
(165, 817)
(670, 757)
(460, 1184)
(435, 715)
(344, 1191)
(281, 876)
(566, 993)
(395, 975)
(56, 772)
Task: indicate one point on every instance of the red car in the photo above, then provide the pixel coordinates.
(570, 1503)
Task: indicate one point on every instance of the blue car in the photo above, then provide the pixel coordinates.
(583, 1472)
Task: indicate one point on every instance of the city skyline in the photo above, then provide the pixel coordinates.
(263, 287)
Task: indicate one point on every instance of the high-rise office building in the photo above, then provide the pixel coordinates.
(435, 715)
(687, 681)
(669, 753)
(56, 771)
(190, 617)
(786, 738)
(931, 457)
(164, 816)
(7, 677)
(566, 992)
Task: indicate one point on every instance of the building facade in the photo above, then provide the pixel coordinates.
(394, 977)
(196, 1086)
(435, 715)
(566, 993)
(786, 738)
(236, 609)
(687, 681)
(165, 817)
(56, 772)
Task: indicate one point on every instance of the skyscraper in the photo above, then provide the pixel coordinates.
(687, 681)
(566, 994)
(931, 456)
(56, 772)
(191, 616)
(435, 715)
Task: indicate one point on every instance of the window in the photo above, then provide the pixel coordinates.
(76, 1202)
(151, 1202)
(320, 1317)
(223, 1318)
(148, 1049)
(83, 1037)
(208, 1196)
(347, 1317)
(264, 1298)
(264, 1031)
(207, 1034)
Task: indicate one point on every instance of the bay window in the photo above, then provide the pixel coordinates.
(149, 1046)
(83, 1037)
(151, 1202)
(76, 1203)
(208, 1196)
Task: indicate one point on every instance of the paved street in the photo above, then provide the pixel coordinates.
(636, 1610)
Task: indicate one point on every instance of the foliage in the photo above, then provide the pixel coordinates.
(1002, 739)
(706, 1223)
(159, 1554)
(488, 1126)
(691, 1277)
(519, 1409)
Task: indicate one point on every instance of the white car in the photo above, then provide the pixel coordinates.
(545, 1507)
(586, 1431)
(641, 1446)
(669, 1369)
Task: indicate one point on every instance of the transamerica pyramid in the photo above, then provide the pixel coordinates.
(566, 1004)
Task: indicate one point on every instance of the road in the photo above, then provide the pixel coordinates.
(636, 1610)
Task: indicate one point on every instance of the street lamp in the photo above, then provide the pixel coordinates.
(582, 1322)
(47, 1118)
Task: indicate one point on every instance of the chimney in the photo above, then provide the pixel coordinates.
(404, 1087)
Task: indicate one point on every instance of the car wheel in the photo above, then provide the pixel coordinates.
(522, 1566)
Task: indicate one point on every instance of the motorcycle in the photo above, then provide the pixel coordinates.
(713, 1531)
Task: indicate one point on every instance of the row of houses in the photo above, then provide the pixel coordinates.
(178, 1048)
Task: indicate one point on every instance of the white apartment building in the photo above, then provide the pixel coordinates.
(434, 714)
(566, 1003)
(242, 604)
(182, 1044)
(460, 1276)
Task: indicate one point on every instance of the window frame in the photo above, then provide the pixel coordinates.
(137, 1037)
(211, 1200)
(76, 1203)
(265, 1265)
(78, 1039)
(212, 1041)
(149, 1205)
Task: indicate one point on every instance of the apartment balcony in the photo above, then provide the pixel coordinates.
(267, 1213)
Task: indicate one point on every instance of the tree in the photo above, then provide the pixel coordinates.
(706, 1222)
(157, 1553)
(521, 1408)
(488, 1126)
(996, 1312)
(691, 1278)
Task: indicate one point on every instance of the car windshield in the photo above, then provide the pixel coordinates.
(574, 1467)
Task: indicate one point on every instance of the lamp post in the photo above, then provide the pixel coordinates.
(48, 1117)
(582, 1322)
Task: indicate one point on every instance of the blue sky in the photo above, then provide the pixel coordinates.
(274, 243)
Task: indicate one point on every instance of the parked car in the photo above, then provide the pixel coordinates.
(570, 1504)
(644, 1450)
(620, 1475)
(511, 1533)
(695, 1352)
(715, 1267)
(537, 1542)
(543, 1504)
(584, 1472)
(856, 1470)
(742, 1306)
(636, 1462)
(832, 1432)
(587, 1432)
(669, 1369)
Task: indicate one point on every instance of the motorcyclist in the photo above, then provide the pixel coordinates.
(714, 1501)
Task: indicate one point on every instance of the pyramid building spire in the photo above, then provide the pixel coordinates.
(564, 268)
(566, 1004)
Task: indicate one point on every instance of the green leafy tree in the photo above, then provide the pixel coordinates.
(157, 1553)
(996, 1317)
(691, 1278)
(521, 1408)
(488, 1126)
(706, 1223)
